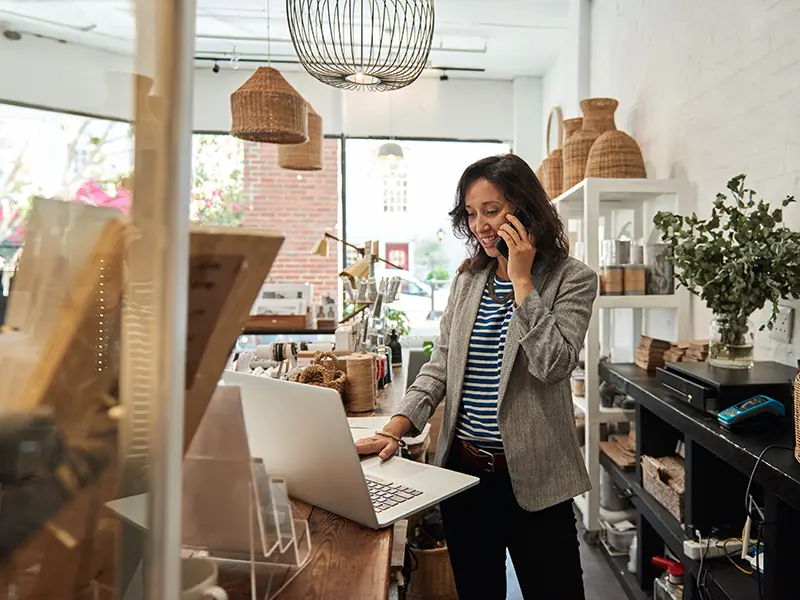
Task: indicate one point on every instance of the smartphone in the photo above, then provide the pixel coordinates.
(501, 245)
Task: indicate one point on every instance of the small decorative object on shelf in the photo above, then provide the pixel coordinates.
(659, 274)
(598, 117)
(552, 166)
(737, 260)
(615, 154)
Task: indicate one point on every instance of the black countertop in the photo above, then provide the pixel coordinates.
(778, 472)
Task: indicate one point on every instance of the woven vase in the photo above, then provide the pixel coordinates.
(539, 172)
(615, 154)
(552, 166)
(307, 156)
(598, 117)
(267, 109)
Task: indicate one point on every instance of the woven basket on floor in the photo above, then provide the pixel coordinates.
(797, 418)
(615, 154)
(307, 156)
(267, 109)
(598, 117)
(433, 579)
(552, 166)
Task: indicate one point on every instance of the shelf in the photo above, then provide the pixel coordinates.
(665, 301)
(618, 191)
(607, 415)
(623, 479)
(779, 472)
(737, 585)
(619, 566)
(659, 517)
(262, 331)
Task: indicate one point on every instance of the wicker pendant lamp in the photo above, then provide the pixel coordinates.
(267, 109)
(307, 156)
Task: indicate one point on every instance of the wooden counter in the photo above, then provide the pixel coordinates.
(347, 560)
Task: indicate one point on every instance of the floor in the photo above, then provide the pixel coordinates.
(598, 580)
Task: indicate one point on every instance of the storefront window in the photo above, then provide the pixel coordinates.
(404, 203)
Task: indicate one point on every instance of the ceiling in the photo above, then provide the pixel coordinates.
(497, 39)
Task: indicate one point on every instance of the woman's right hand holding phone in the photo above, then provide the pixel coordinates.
(385, 446)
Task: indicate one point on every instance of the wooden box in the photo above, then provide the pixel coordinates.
(665, 480)
(279, 322)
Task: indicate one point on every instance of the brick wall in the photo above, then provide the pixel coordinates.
(709, 90)
(301, 205)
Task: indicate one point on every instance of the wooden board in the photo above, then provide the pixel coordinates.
(75, 376)
(227, 267)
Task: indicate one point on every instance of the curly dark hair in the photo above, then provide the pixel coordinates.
(520, 186)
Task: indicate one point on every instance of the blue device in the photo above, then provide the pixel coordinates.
(749, 412)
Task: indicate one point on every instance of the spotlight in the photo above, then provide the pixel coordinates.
(11, 35)
(444, 77)
(215, 68)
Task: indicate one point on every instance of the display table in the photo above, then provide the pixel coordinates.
(347, 560)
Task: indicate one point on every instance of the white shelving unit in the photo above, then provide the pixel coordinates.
(604, 207)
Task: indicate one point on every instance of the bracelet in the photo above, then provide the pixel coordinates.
(400, 442)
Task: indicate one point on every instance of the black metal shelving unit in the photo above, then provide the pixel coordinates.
(718, 464)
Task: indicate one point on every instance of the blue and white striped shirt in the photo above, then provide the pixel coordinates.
(477, 416)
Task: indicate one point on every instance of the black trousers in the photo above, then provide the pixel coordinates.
(484, 521)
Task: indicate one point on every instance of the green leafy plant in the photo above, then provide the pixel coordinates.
(427, 348)
(399, 320)
(438, 274)
(737, 260)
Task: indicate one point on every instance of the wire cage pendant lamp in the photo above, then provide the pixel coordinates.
(377, 45)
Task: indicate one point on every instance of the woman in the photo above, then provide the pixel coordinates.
(509, 340)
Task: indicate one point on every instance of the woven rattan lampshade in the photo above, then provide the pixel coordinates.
(307, 156)
(267, 109)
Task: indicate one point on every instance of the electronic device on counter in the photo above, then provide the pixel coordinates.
(754, 411)
(712, 389)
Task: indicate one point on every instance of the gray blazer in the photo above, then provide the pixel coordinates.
(535, 411)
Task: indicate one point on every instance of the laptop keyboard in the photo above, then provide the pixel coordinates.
(388, 495)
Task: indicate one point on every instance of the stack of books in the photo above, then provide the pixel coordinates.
(650, 353)
(697, 352)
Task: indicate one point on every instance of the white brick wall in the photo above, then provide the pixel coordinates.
(709, 89)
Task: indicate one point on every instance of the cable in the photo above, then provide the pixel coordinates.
(757, 517)
(753, 472)
(758, 567)
(728, 554)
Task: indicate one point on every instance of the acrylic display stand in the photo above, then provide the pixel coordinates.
(233, 512)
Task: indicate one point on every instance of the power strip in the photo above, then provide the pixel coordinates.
(710, 548)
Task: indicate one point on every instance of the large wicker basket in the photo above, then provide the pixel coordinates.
(598, 117)
(552, 166)
(307, 156)
(615, 154)
(797, 418)
(267, 109)
(433, 578)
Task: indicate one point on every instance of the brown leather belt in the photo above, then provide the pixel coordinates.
(478, 460)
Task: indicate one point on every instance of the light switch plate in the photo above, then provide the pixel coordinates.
(783, 329)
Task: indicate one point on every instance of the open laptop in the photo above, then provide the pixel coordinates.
(301, 433)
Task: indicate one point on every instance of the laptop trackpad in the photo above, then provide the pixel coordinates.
(393, 469)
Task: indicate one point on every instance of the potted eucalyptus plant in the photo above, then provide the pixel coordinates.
(738, 260)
